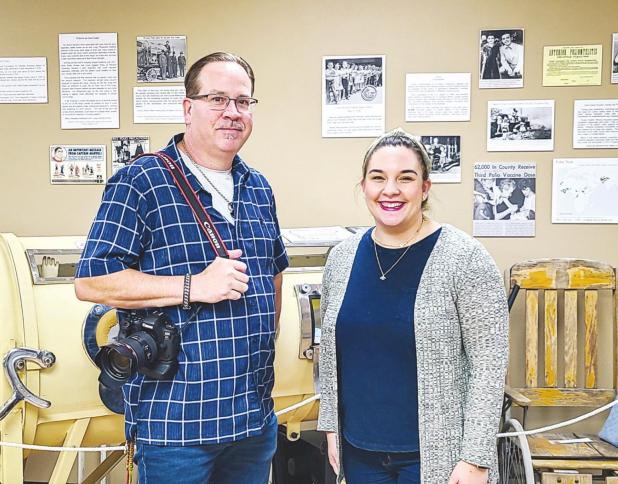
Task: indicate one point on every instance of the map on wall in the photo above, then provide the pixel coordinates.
(585, 190)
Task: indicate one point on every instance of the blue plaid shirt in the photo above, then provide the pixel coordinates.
(222, 390)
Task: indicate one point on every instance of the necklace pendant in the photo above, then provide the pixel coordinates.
(383, 277)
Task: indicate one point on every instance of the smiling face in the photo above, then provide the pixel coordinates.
(394, 188)
(217, 136)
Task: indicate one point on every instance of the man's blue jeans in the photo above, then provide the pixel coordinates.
(246, 461)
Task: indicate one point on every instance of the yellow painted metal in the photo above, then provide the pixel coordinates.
(49, 316)
(74, 438)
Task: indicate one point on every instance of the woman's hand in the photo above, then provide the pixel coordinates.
(465, 473)
(333, 451)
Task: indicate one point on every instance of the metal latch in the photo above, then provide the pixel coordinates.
(14, 361)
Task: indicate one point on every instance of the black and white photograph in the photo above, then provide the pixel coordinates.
(445, 155)
(353, 96)
(161, 58)
(501, 58)
(520, 125)
(77, 164)
(353, 80)
(504, 200)
(614, 58)
(126, 148)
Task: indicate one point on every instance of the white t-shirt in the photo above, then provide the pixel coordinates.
(224, 182)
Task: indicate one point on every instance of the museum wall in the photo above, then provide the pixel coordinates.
(314, 178)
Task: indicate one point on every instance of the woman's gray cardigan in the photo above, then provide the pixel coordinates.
(461, 328)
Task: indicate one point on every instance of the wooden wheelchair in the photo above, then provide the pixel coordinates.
(567, 294)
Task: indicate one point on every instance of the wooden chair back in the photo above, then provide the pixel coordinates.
(543, 282)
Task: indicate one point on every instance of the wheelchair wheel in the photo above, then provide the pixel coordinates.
(514, 459)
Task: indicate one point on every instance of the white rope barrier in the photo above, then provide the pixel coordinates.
(123, 448)
(561, 424)
(302, 404)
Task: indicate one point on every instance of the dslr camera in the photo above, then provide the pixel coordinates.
(148, 343)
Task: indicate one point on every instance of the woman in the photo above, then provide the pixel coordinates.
(414, 337)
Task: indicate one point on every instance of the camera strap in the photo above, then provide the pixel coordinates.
(204, 220)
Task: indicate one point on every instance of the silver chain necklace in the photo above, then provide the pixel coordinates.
(230, 204)
(375, 249)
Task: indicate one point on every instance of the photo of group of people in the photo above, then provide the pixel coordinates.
(445, 155)
(501, 58)
(520, 125)
(126, 148)
(161, 58)
(353, 81)
(504, 199)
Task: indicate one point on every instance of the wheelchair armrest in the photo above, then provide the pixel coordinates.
(516, 397)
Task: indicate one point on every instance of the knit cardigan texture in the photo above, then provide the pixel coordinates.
(461, 328)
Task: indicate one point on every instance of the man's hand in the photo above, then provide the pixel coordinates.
(333, 451)
(222, 279)
(465, 473)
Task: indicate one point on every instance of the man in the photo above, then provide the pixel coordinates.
(511, 58)
(182, 62)
(214, 420)
(163, 65)
(173, 65)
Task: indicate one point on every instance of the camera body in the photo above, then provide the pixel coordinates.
(147, 342)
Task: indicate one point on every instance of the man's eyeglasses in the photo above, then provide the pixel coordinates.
(219, 102)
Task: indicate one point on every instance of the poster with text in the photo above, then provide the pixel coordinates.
(161, 104)
(585, 190)
(504, 199)
(353, 96)
(88, 80)
(595, 123)
(520, 125)
(572, 65)
(77, 164)
(23, 80)
(438, 97)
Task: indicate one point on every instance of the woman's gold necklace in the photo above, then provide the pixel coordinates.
(408, 243)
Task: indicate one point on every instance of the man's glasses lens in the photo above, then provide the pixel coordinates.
(220, 103)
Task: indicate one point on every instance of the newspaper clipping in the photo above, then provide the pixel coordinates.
(77, 164)
(126, 148)
(585, 190)
(352, 96)
(504, 199)
(445, 155)
(520, 125)
(572, 65)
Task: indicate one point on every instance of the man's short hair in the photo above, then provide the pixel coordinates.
(192, 86)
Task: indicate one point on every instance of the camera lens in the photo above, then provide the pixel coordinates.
(119, 360)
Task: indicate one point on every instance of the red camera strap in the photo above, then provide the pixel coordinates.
(204, 220)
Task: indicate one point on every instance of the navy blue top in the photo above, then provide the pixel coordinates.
(376, 349)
